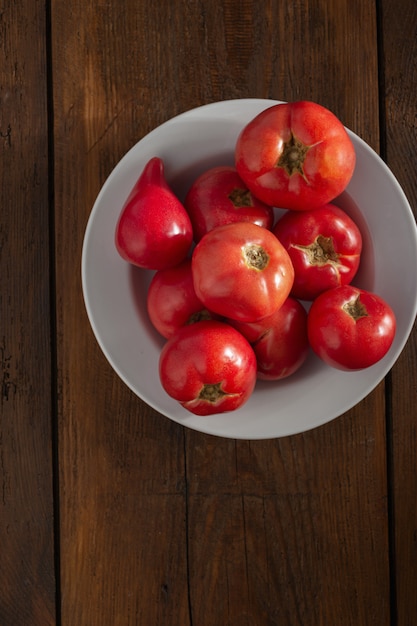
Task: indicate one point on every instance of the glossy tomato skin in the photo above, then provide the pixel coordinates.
(325, 247)
(280, 341)
(208, 367)
(295, 156)
(219, 196)
(154, 230)
(172, 301)
(350, 328)
(241, 271)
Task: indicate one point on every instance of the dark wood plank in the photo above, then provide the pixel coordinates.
(399, 38)
(27, 581)
(161, 525)
(122, 484)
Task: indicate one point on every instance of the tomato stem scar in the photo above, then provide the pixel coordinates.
(321, 251)
(211, 393)
(199, 316)
(355, 309)
(293, 156)
(240, 197)
(255, 256)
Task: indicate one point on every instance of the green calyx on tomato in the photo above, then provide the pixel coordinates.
(199, 316)
(321, 251)
(355, 308)
(293, 156)
(255, 257)
(212, 393)
(240, 198)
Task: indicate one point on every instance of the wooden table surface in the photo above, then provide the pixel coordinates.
(111, 514)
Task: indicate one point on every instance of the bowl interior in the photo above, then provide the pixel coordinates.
(115, 292)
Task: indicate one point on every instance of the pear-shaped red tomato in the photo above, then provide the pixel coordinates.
(154, 230)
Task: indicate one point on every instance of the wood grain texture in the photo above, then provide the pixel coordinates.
(399, 38)
(306, 531)
(162, 525)
(27, 585)
(159, 524)
(122, 504)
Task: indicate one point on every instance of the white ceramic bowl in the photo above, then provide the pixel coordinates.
(115, 292)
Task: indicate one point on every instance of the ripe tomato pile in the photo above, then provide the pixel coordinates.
(240, 294)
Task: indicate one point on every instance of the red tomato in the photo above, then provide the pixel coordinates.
(154, 230)
(295, 156)
(208, 367)
(350, 328)
(279, 341)
(324, 246)
(241, 271)
(172, 301)
(219, 196)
